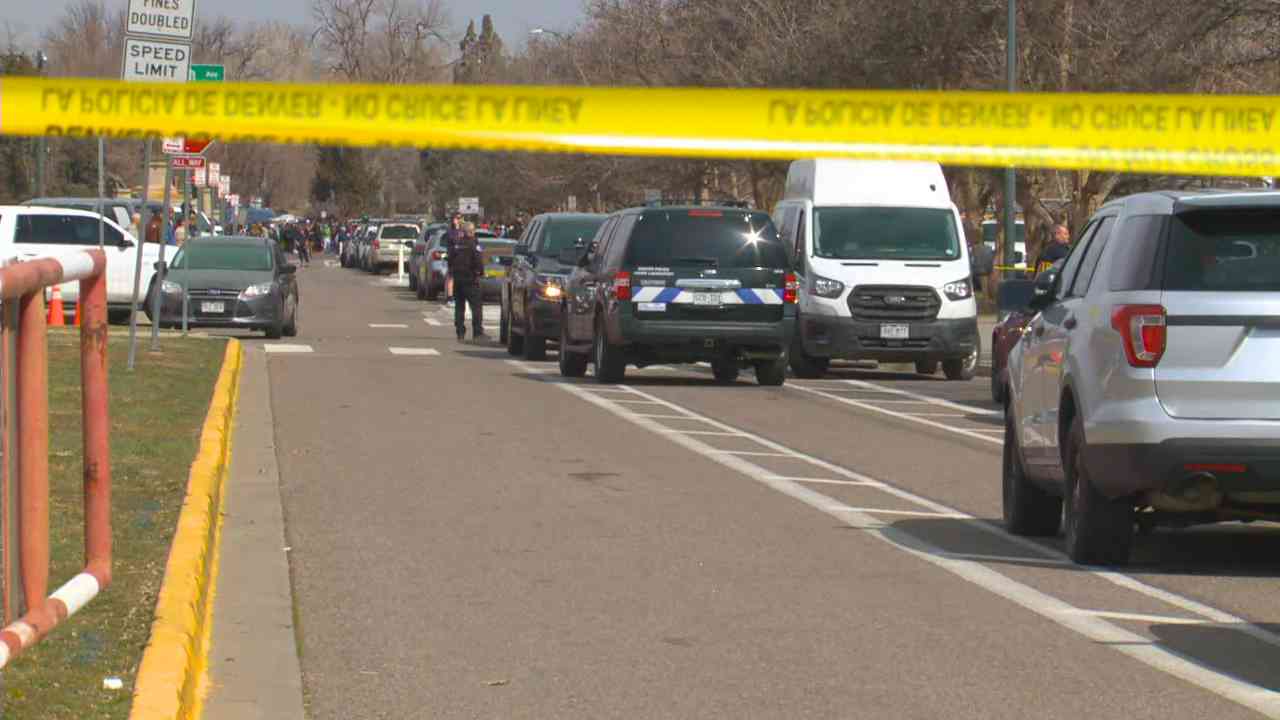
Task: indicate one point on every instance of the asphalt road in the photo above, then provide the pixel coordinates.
(470, 536)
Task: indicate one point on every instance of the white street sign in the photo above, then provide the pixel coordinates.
(155, 61)
(224, 184)
(171, 19)
(469, 205)
(200, 178)
(215, 172)
(573, 203)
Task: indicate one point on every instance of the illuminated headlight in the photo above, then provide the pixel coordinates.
(169, 287)
(826, 287)
(550, 287)
(254, 291)
(958, 290)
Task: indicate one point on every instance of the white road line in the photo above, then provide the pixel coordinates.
(894, 413)
(664, 417)
(750, 453)
(826, 481)
(285, 349)
(970, 409)
(1090, 626)
(388, 326)
(1142, 617)
(714, 433)
(908, 513)
(432, 323)
(414, 351)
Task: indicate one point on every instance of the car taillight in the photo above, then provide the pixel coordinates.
(791, 290)
(437, 255)
(622, 286)
(1142, 330)
(376, 244)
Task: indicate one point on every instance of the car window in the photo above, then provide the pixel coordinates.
(122, 216)
(57, 230)
(797, 238)
(712, 238)
(1089, 266)
(602, 240)
(223, 256)
(399, 232)
(885, 233)
(1224, 251)
(530, 236)
(1072, 263)
(782, 220)
(560, 234)
(618, 245)
(111, 236)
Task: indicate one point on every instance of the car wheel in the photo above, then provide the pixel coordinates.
(926, 367)
(725, 371)
(433, 290)
(1028, 509)
(963, 368)
(997, 388)
(504, 325)
(118, 317)
(515, 343)
(276, 330)
(806, 366)
(413, 281)
(149, 298)
(1098, 531)
(572, 364)
(611, 365)
(771, 373)
(535, 346)
(291, 328)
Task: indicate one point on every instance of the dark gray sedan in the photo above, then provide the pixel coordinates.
(231, 282)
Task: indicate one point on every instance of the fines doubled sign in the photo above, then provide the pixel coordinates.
(170, 19)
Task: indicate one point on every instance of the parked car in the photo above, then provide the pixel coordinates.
(885, 273)
(365, 242)
(231, 282)
(681, 285)
(391, 244)
(498, 254)
(1145, 390)
(38, 231)
(534, 290)
(419, 253)
(1013, 303)
(433, 272)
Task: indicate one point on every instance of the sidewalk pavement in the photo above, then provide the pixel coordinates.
(254, 672)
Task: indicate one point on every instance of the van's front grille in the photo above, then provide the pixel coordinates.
(894, 302)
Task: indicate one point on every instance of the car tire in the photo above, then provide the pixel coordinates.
(118, 317)
(515, 343)
(1028, 509)
(806, 366)
(963, 368)
(997, 388)
(611, 364)
(433, 292)
(771, 373)
(572, 364)
(535, 345)
(1099, 531)
(504, 325)
(275, 331)
(926, 367)
(291, 328)
(413, 282)
(725, 371)
(419, 290)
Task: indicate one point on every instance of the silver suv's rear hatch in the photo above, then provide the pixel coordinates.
(1222, 299)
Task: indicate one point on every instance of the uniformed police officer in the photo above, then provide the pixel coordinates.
(1057, 250)
(466, 267)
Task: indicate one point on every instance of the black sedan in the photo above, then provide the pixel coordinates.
(230, 282)
(533, 289)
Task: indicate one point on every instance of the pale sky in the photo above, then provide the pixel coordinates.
(514, 18)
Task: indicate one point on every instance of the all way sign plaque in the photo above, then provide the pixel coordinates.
(169, 19)
(148, 60)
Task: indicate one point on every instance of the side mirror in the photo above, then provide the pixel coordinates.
(288, 269)
(584, 260)
(1046, 288)
(160, 266)
(126, 243)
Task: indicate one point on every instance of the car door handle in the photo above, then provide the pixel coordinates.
(1070, 323)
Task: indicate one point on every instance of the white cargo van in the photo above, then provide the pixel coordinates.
(884, 269)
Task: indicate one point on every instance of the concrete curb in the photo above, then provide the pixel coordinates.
(172, 675)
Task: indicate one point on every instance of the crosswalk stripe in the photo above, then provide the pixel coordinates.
(414, 351)
(284, 349)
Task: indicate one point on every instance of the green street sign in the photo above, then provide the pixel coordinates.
(208, 73)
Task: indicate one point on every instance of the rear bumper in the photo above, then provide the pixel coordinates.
(846, 338)
(1120, 470)
(704, 340)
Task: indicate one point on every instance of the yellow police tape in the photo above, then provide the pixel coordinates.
(1199, 135)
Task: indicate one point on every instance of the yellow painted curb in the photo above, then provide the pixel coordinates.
(171, 677)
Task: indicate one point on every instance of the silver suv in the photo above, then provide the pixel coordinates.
(1147, 389)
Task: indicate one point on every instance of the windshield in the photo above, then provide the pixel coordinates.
(713, 238)
(567, 233)
(399, 232)
(885, 233)
(216, 256)
(1224, 251)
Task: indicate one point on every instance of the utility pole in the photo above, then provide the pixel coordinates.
(42, 147)
(1010, 178)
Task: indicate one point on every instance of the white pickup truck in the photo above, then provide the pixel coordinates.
(31, 232)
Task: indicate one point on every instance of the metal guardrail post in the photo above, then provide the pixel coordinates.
(14, 603)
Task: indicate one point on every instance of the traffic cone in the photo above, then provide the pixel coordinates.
(56, 318)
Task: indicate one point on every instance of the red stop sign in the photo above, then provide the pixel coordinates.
(191, 146)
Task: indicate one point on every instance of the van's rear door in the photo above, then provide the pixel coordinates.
(1222, 299)
(701, 265)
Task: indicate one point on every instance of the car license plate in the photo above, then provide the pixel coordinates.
(213, 307)
(706, 298)
(895, 332)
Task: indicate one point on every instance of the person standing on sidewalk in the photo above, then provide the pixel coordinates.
(466, 267)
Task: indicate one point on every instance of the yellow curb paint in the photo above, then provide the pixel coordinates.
(172, 676)
(1160, 134)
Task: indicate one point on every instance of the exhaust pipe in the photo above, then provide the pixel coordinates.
(1196, 492)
